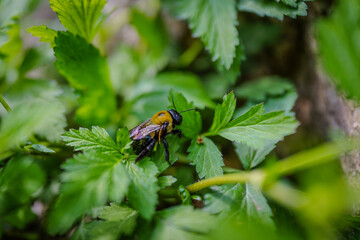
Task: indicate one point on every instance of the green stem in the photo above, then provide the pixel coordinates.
(324, 153)
(305, 159)
(227, 179)
(6, 106)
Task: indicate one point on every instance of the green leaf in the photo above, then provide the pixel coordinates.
(284, 103)
(224, 199)
(166, 181)
(31, 117)
(183, 222)
(272, 8)
(255, 206)
(215, 23)
(80, 17)
(44, 33)
(143, 187)
(87, 71)
(96, 139)
(256, 129)
(20, 180)
(42, 148)
(158, 157)
(338, 40)
(251, 157)
(89, 180)
(123, 140)
(263, 88)
(187, 83)
(207, 158)
(234, 71)
(292, 3)
(191, 124)
(116, 220)
(154, 36)
(224, 112)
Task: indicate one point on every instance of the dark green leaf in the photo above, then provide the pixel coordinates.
(86, 70)
(81, 17)
(215, 23)
(19, 181)
(207, 157)
(158, 157)
(262, 88)
(272, 8)
(191, 124)
(338, 39)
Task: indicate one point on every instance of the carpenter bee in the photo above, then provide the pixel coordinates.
(154, 130)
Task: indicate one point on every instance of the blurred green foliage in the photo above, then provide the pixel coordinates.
(67, 167)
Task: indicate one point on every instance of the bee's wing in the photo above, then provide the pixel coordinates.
(146, 131)
(135, 131)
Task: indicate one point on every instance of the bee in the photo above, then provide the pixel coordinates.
(154, 130)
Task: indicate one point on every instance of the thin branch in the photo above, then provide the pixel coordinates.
(6, 106)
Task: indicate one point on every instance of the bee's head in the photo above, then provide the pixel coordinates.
(176, 116)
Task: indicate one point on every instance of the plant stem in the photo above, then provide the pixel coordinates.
(6, 106)
(299, 161)
(240, 177)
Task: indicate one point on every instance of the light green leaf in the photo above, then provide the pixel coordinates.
(158, 157)
(223, 199)
(166, 181)
(44, 33)
(187, 83)
(87, 71)
(19, 181)
(251, 157)
(224, 112)
(116, 220)
(89, 180)
(42, 148)
(272, 8)
(264, 87)
(338, 38)
(256, 129)
(81, 17)
(191, 124)
(123, 140)
(36, 116)
(96, 139)
(143, 187)
(207, 158)
(183, 222)
(234, 71)
(255, 206)
(215, 23)
(292, 3)
(284, 103)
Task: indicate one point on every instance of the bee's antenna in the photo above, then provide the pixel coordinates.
(188, 110)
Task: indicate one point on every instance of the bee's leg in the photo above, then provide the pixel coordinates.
(146, 150)
(166, 146)
(177, 132)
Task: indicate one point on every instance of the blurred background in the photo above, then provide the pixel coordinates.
(307, 66)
